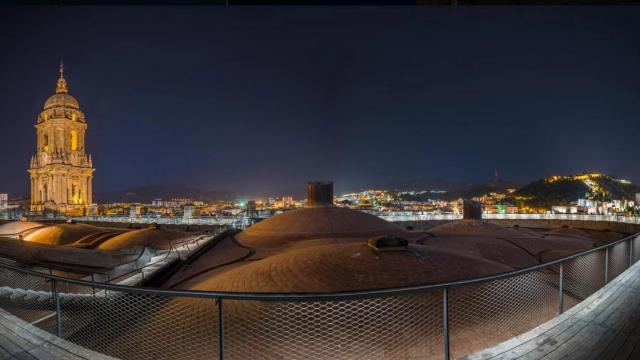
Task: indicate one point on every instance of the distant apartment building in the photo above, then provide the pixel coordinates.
(4, 202)
(585, 203)
(191, 211)
(135, 210)
(564, 209)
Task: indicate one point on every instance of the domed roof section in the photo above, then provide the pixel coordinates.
(61, 234)
(16, 227)
(316, 223)
(154, 236)
(348, 266)
(61, 99)
(475, 228)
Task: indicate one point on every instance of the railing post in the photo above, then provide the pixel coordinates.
(561, 286)
(606, 265)
(93, 288)
(445, 321)
(56, 301)
(631, 241)
(106, 277)
(220, 329)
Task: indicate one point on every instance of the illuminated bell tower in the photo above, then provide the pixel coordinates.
(61, 172)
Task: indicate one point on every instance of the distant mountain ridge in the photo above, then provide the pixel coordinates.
(567, 189)
(546, 192)
(469, 191)
(425, 185)
(145, 194)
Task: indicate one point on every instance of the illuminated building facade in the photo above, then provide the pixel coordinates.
(61, 172)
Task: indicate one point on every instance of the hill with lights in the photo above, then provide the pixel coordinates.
(564, 190)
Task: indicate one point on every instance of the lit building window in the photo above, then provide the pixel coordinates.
(74, 140)
(45, 143)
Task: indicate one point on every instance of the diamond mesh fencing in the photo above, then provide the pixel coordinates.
(28, 297)
(485, 314)
(583, 276)
(136, 326)
(140, 326)
(618, 259)
(399, 327)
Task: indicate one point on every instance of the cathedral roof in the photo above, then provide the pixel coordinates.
(61, 97)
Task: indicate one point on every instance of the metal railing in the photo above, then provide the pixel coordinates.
(240, 221)
(443, 320)
(165, 256)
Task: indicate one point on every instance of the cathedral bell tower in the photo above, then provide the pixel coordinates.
(61, 172)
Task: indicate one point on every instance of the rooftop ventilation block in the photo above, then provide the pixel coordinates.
(387, 243)
(471, 210)
(319, 193)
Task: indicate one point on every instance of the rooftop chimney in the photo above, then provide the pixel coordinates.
(319, 193)
(471, 210)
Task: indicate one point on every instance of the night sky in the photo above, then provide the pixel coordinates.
(255, 100)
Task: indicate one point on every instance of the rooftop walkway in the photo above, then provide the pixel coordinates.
(606, 325)
(20, 340)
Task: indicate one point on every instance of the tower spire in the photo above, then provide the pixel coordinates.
(61, 85)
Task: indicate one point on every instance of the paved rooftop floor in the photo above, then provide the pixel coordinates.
(20, 340)
(606, 325)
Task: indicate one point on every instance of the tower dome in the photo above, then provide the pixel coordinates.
(61, 97)
(65, 100)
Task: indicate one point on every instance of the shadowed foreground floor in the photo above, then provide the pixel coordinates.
(604, 326)
(20, 340)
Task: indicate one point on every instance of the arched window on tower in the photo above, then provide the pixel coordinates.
(45, 143)
(75, 194)
(74, 140)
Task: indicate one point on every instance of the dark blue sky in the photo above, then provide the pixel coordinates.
(264, 99)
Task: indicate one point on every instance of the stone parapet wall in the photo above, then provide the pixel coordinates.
(622, 227)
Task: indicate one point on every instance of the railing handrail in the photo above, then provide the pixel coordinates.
(340, 295)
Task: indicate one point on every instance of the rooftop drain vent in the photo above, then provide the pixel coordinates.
(319, 193)
(387, 243)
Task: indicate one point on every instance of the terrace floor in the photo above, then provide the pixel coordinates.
(604, 326)
(20, 340)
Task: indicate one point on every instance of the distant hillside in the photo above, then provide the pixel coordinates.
(474, 190)
(564, 190)
(493, 186)
(146, 194)
(425, 185)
